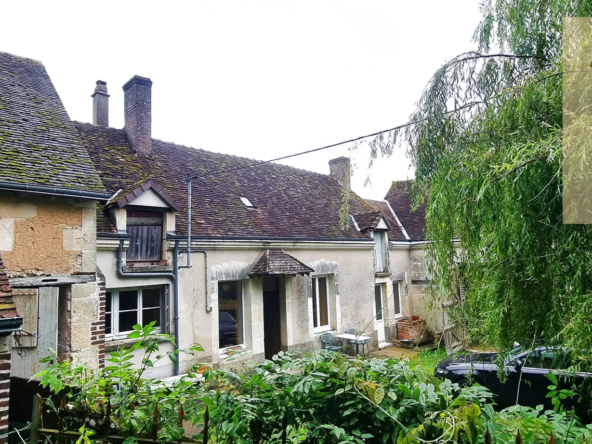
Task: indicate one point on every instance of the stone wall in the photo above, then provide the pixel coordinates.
(47, 235)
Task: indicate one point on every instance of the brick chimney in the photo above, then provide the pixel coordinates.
(339, 170)
(138, 114)
(101, 104)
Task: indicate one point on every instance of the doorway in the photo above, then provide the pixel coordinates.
(271, 316)
(379, 320)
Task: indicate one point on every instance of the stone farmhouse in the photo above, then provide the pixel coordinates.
(104, 228)
(49, 190)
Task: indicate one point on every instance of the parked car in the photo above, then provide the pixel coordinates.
(227, 328)
(523, 376)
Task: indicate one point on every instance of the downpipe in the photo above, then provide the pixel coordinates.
(188, 251)
(173, 276)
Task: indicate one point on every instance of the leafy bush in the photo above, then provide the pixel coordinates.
(324, 397)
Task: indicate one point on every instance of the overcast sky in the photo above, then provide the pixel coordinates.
(253, 78)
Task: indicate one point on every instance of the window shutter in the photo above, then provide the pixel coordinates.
(26, 306)
(145, 229)
(48, 323)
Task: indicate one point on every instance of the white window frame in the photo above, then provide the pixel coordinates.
(400, 314)
(243, 345)
(381, 250)
(382, 310)
(315, 282)
(115, 333)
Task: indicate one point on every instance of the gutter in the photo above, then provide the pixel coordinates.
(294, 240)
(10, 325)
(54, 191)
(172, 276)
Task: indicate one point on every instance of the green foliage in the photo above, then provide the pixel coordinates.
(428, 359)
(326, 398)
(87, 393)
(486, 142)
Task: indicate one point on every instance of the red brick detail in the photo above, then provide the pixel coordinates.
(98, 328)
(410, 330)
(9, 311)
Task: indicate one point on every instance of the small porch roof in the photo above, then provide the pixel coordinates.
(277, 262)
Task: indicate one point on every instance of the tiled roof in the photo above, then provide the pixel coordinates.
(7, 306)
(277, 262)
(128, 196)
(288, 202)
(38, 142)
(367, 221)
(394, 232)
(399, 197)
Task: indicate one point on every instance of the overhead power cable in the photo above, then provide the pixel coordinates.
(263, 162)
(301, 153)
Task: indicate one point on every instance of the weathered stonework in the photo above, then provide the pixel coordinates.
(419, 268)
(85, 315)
(41, 235)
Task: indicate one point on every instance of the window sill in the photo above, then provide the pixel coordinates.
(325, 329)
(114, 344)
(143, 268)
(234, 353)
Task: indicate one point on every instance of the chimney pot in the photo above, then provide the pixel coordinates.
(339, 170)
(138, 114)
(101, 104)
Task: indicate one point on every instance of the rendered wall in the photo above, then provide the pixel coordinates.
(47, 235)
(353, 288)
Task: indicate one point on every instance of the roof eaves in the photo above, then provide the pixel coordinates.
(54, 191)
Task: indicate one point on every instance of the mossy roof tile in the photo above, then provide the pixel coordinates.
(38, 142)
(394, 230)
(288, 202)
(399, 198)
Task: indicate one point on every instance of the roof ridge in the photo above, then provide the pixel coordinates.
(189, 147)
(23, 58)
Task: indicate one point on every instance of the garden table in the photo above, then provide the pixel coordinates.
(357, 339)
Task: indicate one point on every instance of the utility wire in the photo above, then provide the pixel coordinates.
(202, 176)
(395, 128)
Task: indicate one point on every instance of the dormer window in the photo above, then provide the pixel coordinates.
(247, 202)
(145, 228)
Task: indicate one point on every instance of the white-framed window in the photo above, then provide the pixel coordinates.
(321, 314)
(397, 298)
(381, 251)
(230, 314)
(126, 307)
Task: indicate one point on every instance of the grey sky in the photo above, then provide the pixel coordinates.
(258, 79)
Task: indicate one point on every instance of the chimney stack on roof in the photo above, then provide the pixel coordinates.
(138, 114)
(339, 170)
(101, 104)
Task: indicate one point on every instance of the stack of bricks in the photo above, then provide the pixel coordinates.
(98, 327)
(411, 332)
(7, 310)
(4, 390)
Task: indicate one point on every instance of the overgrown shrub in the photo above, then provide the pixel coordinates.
(323, 397)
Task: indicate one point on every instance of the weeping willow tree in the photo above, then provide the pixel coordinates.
(486, 140)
